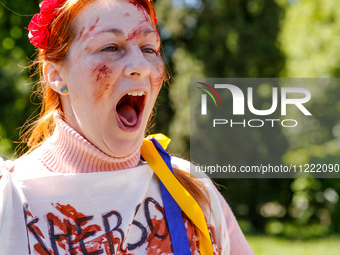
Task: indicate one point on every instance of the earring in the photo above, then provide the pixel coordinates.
(63, 90)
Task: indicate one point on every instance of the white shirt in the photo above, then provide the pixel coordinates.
(118, 212)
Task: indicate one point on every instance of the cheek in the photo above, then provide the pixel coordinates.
(158, 77)
(101, 76)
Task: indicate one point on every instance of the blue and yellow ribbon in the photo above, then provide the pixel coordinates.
(152, 153)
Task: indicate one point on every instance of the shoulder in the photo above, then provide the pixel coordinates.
(215, 217)
(180, 163)
(28, 166)
(5, 166)
(188, 167)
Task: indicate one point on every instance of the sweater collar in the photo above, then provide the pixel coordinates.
(66, 151)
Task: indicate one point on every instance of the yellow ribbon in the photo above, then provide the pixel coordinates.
(183, 198)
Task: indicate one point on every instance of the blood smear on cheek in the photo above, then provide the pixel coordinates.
(101, 73)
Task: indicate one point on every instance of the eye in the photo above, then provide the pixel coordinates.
(110, 48)
(150, 50)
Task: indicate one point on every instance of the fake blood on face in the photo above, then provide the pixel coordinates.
(137, 5)
(135, 33)
(81, 33)
(101, 73)
(158, 80)
(142, 10)
(87, 35)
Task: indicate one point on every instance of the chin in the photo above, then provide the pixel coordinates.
(124, 146)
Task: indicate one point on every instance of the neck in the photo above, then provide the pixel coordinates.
(68, 152)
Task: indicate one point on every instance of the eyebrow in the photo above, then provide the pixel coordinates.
(115, 31)
(148, 31)
(120, 32)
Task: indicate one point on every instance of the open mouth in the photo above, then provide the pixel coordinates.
(130, 107)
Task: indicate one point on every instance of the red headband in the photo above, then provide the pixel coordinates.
(39, 27)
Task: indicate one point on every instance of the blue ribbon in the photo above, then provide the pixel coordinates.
(173, 213)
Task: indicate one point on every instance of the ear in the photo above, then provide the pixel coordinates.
(54, 77)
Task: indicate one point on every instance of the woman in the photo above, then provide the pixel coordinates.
(83, 188)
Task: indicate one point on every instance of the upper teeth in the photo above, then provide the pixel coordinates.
(136, 93)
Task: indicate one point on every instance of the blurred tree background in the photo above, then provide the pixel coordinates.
(224, 38)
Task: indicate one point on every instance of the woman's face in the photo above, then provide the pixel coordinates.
(113, 73)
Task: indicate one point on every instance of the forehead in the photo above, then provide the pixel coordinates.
(123, 14)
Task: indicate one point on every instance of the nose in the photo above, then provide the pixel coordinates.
(136, 65)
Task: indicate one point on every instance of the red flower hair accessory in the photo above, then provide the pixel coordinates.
(39, 27)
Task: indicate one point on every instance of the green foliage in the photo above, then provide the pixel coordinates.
(310, 37)
(240, 38)
(262, 245)
(15, 87)
(310, 40)
(226, 39)
(216, 39)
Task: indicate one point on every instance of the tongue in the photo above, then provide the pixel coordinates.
(127, 114)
